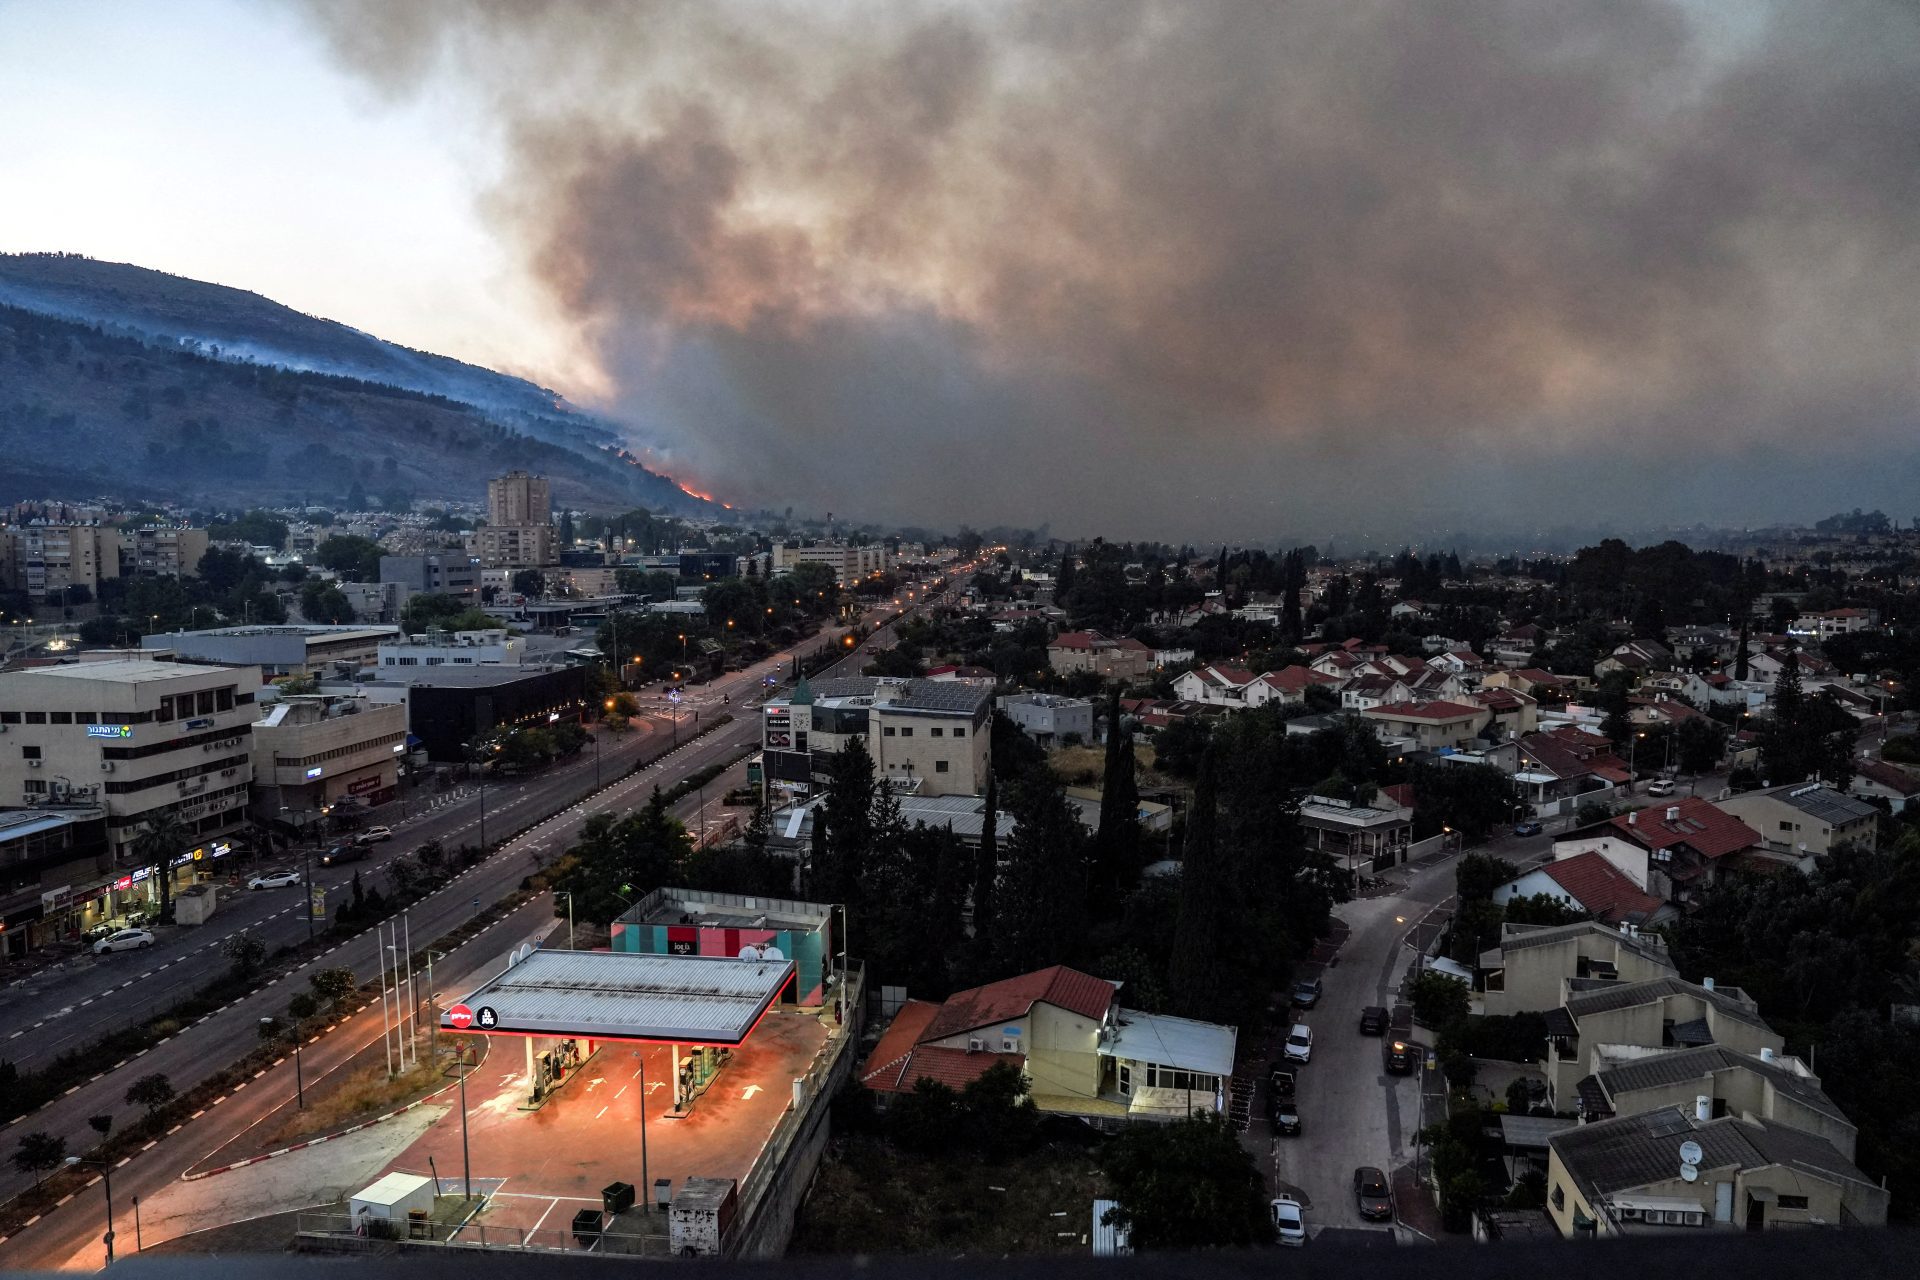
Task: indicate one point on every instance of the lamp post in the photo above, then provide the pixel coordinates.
(646, 1181)
(561, 893)
(466, 1153)
(299, 1077)
(106, 1176)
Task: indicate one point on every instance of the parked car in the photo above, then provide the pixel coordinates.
(1299, 1043)
(1400, 1058)
(1284, 1118)
(1288, 1225)
(1660, 787)
(1372, 1194)
(374, 835)
(1527, 828)
(344, 853)
(123, 940)
(1373, 1021)
(1306, 992)
(1280, 1083)
(274, 880)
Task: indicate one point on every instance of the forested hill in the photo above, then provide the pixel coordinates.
(116, 379)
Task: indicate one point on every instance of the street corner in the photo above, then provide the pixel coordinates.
(1414, 1205)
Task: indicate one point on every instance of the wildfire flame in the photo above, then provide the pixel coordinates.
(653, 464)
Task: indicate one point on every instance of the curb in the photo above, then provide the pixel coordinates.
(314, 1142)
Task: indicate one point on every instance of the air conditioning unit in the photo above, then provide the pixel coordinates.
(228, 773)
(180, 786)
(1009, 1046)
(976, 1045)
(33, 764)
(106, 766)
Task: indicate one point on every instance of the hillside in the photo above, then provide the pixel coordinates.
(116, 379)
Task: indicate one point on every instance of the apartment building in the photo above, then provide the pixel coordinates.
(493, 646)
(926, 736)
(154, 738)
(519, 529)
(44, 560)
(55, 873)
(849, 564)
(1049, 718)
(1535, 967)
(162, 552)
(1607, 1024)
(315, 751)
(1800, 822)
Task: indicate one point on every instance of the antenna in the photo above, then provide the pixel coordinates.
(1688, 1173)
(1691, 1154)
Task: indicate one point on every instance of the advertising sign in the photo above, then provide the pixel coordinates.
(314, 772)
(363, 787)
(319, 904)
(109, 731)
(460, 1017)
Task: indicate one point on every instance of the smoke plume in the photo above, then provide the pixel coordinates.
(1203, 267)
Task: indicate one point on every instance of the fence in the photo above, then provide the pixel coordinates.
(338, 1232)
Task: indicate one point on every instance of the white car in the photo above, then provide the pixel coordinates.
(1288, 1224)
(1660, 787)
(125, 940)
(274, 880)
(1300, 1043)
(374, 835)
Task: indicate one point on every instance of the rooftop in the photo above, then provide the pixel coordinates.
(1628, 995)
(1699, 824)
(1636, 1151)
(126, 671)
(728, 910)
(1603, 889)
(1820, 802)
(1167, 1041)
(628, 996)
(1519, 937)
(1662, 1069)
(996, 1002)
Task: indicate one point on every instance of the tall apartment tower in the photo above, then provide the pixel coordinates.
(519, 529)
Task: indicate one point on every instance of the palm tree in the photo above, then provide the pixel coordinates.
(162, 841)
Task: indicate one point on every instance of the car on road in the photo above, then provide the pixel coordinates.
(1400, 1058)
(123, 940)
(1660, 787)
(1306, 992)
(1527, 828)
(1289, 1226)
(345, 853)
(374, 835)
(274, 880)
(1283, 1117)
(1299, 1043)
(1371, 1194)
(1373, 1021)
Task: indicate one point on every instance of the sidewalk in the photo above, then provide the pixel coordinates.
(1414, 1205)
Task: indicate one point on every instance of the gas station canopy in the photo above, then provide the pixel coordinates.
(599, 995)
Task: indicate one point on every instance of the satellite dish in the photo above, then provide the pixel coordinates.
(1690, 1153)
(525, 951)
(1688, 1173)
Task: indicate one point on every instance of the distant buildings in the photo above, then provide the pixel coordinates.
(927, 736)
(1048, 718)
(849, 564)
(312, 752)
(46, 560)
(1121, 659)
(447, 573)
(283, 649)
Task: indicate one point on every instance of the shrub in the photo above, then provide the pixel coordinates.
(1439, 999)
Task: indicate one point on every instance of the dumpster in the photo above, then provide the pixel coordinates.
(586, 1226)
(617, 1197)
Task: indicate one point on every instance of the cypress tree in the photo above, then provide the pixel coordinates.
(1196, 977)
(1116, 842)
(986, 866)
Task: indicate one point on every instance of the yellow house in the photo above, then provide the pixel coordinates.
(1081, 1052)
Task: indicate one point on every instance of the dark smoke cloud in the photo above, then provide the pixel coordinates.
(1213, 268)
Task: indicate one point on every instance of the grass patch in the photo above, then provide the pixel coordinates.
(1079, 766)
(872, 1198)
(364, 1094)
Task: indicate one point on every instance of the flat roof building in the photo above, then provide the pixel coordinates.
(290, 649)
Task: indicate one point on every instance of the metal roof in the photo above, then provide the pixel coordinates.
(1664, 1069)
(125, 671)
(1531, 1131)
(1629, 994)
(730, 910)
(1639, 1150)
(628, 996)
(1823, 803)
(1172, 1042)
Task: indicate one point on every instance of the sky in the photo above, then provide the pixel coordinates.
(1191, 269)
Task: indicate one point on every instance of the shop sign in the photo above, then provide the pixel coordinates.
(142, 874)
(315, 772)
(123, 883)
(109, 731)
(460, 1017)
(363, 787)
(203, 722)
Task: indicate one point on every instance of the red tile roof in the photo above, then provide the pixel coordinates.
(896, 1046)
(1537, 675)
(1893, 777)
(1702, 826)
(1012, 998)
(1074, 640)
(899, 1061)
(1233, 677)
(1296, 678)
(1602, 888)
(1438, 711)
(1401, 793)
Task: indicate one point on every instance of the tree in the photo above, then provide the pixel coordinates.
(245, 952)
(160, 845)
(335, 986)
(321, 601)
(1439, 999)
(1186, 1185)
(1116, 843)
(152, 1091)
(302, 1006)
(849, 813)
(1178, 747)
(530, 583)
(1197, 977)
(38, 1152)
(101, 1124)
(986, 865)
(355, 559)
(1699, 743)
(1040, 897)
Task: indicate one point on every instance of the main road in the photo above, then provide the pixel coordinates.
(203, 1048)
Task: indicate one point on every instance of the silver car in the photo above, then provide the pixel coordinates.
(124, 940)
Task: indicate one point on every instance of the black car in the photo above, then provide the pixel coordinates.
(345, 853)
(1306, 992)
(1373, 1021)
(1400, 1058)
(1372, 1195)
(1284, 1117)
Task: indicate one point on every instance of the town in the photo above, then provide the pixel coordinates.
(787, 880)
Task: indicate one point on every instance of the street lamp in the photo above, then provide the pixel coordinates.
(106, 1176)
(563, 893)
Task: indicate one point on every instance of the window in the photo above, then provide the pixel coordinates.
(60, 717)
(1159, 1077)
(204, 701)
(223, 699)
(29, 753)
(9, 717)
(85, 717)
(906, 732)
(940, 766)
(1559, 1196)
(36, 787)
(937, 732)
(36, 717)
(887, 732)
(1786, 826)
(959, 733)
(1791, 1202)
(166, 709)
(799, 742)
